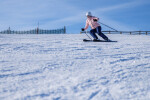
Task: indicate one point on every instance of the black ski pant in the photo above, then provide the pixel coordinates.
(98, 30)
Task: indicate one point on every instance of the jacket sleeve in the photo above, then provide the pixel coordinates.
(87, 25)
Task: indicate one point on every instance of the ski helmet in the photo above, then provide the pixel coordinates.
(88, 14)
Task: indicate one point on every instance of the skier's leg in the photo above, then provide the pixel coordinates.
(101, 34)
(92, 33)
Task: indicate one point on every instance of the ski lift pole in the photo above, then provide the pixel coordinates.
(108, 26)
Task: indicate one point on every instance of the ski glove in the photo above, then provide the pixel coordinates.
(95, 20)
(82, 29)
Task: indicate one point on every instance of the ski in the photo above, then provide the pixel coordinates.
(86, 40)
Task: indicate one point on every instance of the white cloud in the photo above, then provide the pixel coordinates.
(23, 14)
(100, 12)
(19, 13)
(120, 6)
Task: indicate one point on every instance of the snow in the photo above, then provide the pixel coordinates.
(62, 67)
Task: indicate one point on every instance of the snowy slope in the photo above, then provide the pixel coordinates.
(62, 67)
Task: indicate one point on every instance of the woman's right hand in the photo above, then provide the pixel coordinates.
(82, 29)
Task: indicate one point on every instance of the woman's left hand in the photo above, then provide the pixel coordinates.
(95, 20)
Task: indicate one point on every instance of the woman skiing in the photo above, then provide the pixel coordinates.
(95, 27)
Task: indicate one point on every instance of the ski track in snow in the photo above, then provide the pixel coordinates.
(62, 67)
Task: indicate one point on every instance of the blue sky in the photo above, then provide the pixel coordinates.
(52, 14)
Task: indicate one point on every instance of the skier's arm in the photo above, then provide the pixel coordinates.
(87, 25)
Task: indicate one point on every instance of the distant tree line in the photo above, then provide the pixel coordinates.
(35, 31)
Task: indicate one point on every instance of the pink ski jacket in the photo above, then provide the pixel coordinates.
(90, 21)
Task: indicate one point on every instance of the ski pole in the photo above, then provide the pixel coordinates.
(88, 36)
(108, 26)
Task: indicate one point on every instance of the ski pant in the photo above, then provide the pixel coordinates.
(98, 30)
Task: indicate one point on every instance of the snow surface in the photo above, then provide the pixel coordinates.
(62, 67)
